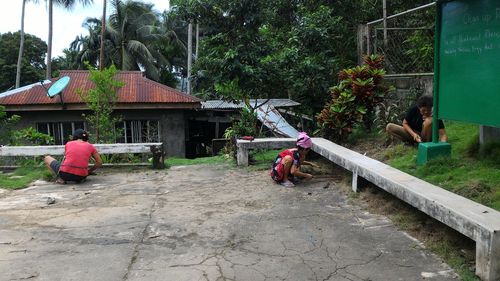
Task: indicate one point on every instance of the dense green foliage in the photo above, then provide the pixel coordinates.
(100, 100)
(278, 48)
(30, 136)
(33, 61)
(245, 126)
(6, 126)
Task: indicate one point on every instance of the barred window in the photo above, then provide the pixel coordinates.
(136, 131)
(60, 131)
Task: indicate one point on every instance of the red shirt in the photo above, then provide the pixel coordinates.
(76, 157)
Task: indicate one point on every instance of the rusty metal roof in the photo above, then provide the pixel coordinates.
(137, 90)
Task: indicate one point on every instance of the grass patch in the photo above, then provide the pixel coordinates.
(177, 161)
(471, 172)
(22, 177)
(263, 159)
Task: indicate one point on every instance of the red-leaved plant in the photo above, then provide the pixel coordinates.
(359, 91)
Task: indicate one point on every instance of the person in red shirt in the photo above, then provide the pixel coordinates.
(75, 165)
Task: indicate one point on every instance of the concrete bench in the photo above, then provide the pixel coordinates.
(156, 149)
(476, 221)
(269, 143)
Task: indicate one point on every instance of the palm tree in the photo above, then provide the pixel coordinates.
(87, 47)
(68, 4)
(171, 44)
(131, 28)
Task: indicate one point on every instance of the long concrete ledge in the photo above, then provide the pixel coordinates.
(476, 221)
(116, 148)
(41, 150)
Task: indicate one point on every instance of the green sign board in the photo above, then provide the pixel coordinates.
(468, 71)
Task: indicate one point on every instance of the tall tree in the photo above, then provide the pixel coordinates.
(103, 33)
(21, 46)
(233, 64)
(130, 28)
(101, 100)
(171, 44)
(275, 48)
(136, 38)
(33, 62)
(88, 47)
(67, 4)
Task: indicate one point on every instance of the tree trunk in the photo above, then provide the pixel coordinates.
(103, 31)
(21, 48)
(197, 40)
(49, 44)
(190, 56)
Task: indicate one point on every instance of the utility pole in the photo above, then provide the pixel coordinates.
(190, 55)
(384, 4)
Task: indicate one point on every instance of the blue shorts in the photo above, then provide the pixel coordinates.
(55, 166)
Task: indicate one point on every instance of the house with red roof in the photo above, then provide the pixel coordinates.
(151, 112)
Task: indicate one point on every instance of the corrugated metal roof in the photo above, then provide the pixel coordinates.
(137, 89)
(21, 89)
(220, 104)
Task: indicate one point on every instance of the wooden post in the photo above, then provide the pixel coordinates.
(158, 156)
(362, 42)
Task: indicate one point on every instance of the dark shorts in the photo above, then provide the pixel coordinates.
(55, 166)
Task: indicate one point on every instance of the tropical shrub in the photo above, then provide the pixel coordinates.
(354, 99)
(101, 100)
(31, 136)
(6, 126)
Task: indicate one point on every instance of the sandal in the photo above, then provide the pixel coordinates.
(60, 181)
(287, 184)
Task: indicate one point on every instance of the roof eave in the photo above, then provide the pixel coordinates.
(120, 106)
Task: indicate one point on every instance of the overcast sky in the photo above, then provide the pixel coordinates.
(67, 24)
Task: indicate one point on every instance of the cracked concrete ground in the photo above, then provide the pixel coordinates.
(201, 223)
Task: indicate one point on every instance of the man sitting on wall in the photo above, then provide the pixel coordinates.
(75, 165)
(417, 124)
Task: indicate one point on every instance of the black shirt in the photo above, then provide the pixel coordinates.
(415, 120)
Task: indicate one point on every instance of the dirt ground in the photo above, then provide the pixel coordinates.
(208, 222)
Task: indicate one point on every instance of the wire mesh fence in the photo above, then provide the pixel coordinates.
(406, 41)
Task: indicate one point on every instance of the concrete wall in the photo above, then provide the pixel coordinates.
(489, 134)
(404, 85)
(173, 124)
(173, 131)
